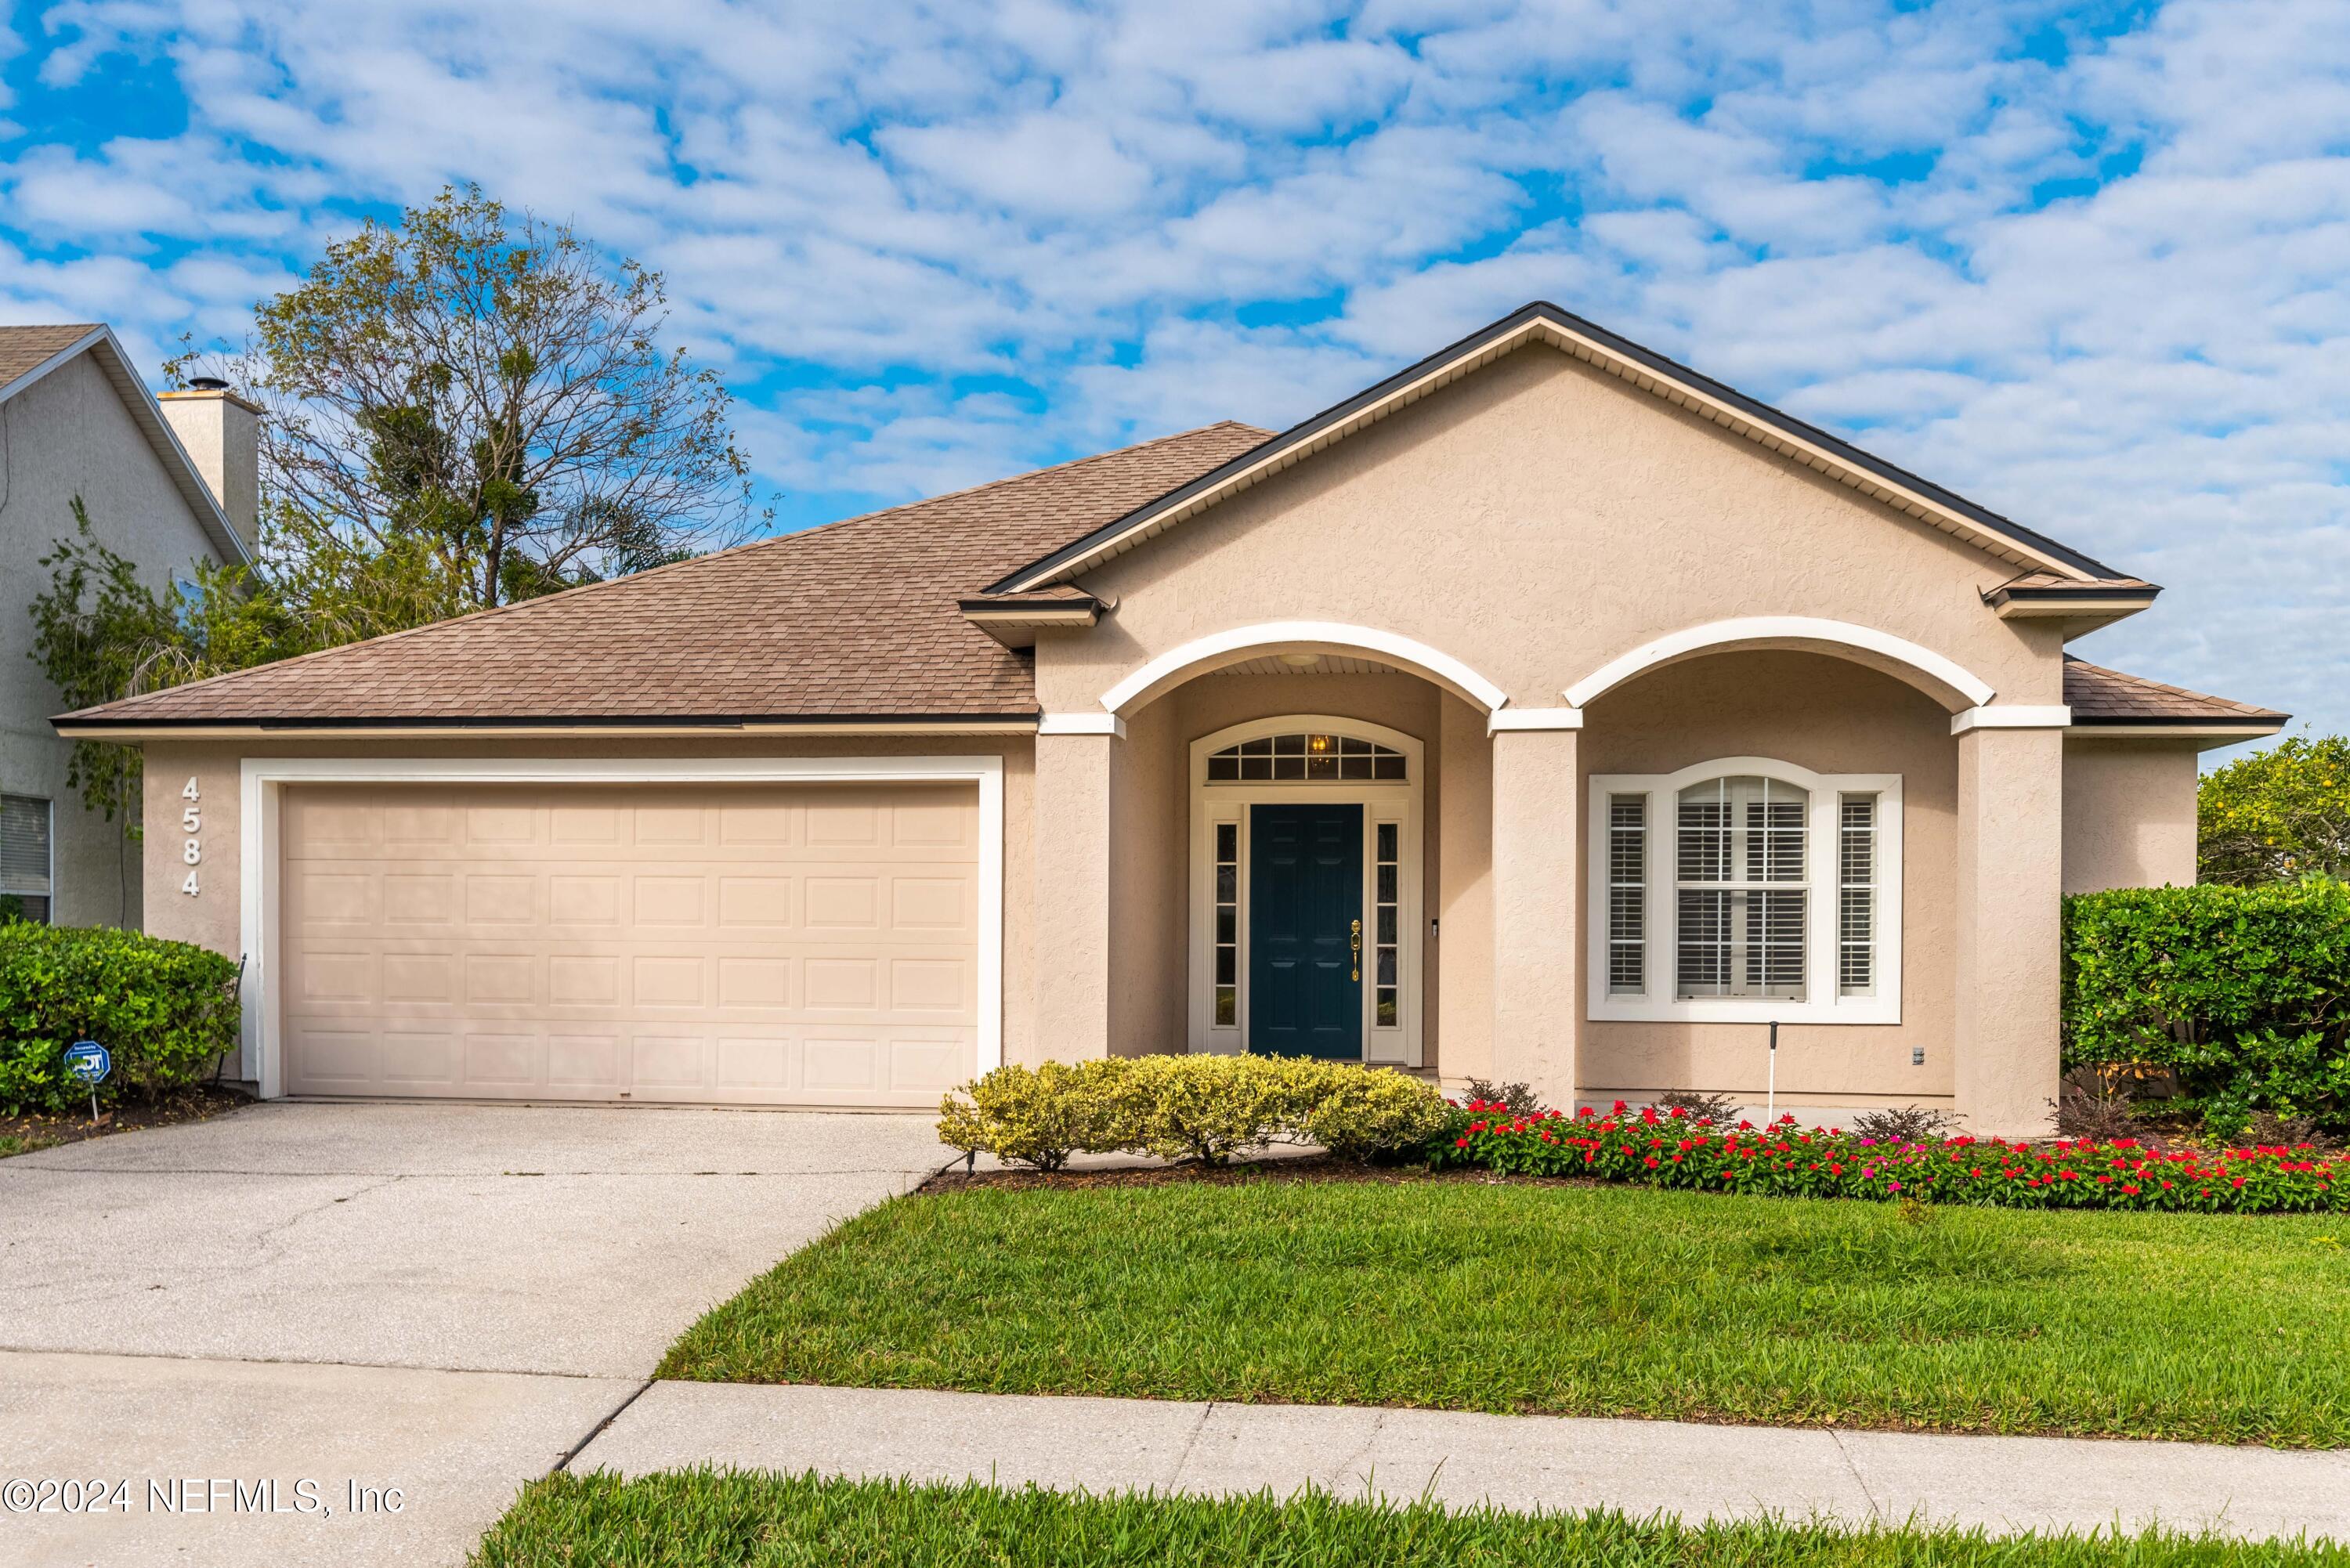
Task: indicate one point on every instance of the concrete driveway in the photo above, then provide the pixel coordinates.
(446, 1300)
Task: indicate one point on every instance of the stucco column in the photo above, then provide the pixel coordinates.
(2010, 858)
(1072, 922)
(1537, 901)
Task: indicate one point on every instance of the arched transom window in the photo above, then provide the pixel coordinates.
(1304, 757)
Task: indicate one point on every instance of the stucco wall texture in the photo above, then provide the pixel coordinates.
(68, 435)
(1535, 521)
(2129, 814)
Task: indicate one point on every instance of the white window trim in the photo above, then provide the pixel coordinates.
(261, 781)
(1382, 801)
(1657, 1002)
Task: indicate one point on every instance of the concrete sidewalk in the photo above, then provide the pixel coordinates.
(2004, 1484)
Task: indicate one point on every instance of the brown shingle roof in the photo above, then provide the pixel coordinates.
(853, 618)
(2034, 581)
(24, 348)
(2100, 696)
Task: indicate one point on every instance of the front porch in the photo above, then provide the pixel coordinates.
(1319, 851)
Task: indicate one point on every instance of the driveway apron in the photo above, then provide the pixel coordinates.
(256, 1331)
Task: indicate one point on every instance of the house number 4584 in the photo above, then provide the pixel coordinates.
(192, 822)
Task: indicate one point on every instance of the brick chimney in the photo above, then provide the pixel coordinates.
(223, 432)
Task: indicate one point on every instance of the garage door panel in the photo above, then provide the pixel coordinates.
(418, 899)
(767, 945)
(590, 1062)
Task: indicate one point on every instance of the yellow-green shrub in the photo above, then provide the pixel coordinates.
(1361, 1115)
(1208, 1108)
(1034, 1115)
(1202, 1108)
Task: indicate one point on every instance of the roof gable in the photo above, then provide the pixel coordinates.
(27, 354)
(1544, 323)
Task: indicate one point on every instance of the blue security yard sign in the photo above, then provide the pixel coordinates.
(90, 1062)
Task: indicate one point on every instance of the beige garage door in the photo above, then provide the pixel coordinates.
(763, 945)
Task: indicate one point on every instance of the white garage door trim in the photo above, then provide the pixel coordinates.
(262, 779)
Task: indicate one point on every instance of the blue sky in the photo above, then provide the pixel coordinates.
(2084, 262)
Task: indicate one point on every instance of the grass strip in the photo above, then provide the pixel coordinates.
(706, 1517)
(1526, 1297)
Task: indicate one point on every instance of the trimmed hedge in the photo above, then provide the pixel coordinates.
(165, 1011)
(2243, 992)
(1203, 1109)
(1653, 1147)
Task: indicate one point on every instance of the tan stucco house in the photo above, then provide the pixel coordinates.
(167, 483)
(1547, 711)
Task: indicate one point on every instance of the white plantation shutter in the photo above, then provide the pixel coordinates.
(24, 854)
(1740, 892)
(1628, 894)
(1856, 896)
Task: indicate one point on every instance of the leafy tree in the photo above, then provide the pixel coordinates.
(462, 409)
(2277, 815)
(101, 633)
(486, 384)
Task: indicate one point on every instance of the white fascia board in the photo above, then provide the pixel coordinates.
(1535, 718)
(2017, 716)
(1081, 724)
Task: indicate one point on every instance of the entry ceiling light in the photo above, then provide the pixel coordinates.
(1300, 660)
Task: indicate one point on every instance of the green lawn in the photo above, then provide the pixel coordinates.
(693, 1519)
(21, 1143)
(1571, 1300)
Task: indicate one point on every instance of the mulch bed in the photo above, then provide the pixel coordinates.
(196, 1103)
(1304, 1167)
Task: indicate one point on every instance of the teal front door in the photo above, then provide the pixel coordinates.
(1306, 913)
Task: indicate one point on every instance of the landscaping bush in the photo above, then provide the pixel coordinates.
(1656, 1149)
(1203, 1109)
(165, 1011)
(1362, 1115)
(1035, 1116)
(1698, 1103)
(1906, 1123)
(1520, 1098)
(2243, 993)
(1210, 1108)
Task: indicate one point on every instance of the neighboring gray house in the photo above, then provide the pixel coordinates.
(167, 483)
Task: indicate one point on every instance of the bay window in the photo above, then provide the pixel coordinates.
(1746, 889)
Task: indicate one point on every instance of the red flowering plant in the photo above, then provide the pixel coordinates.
(1658, 1148)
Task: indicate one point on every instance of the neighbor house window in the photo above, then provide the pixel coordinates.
(25, 824)
(1745, 890)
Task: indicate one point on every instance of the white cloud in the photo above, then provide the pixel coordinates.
(891, 212)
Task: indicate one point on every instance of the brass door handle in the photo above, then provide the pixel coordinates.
(1355, 942)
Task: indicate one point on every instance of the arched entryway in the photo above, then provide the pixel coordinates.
(1307, 888)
